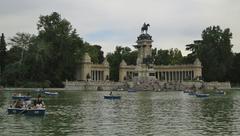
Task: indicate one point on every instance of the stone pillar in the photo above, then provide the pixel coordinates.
(167, 76)
(181, 77)
(160, 75)
(190, 75)
(174, 75)
(91, 75)
(98, 75)
(177, 75)
(95, 75)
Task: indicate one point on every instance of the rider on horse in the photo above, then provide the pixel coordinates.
(145, 27)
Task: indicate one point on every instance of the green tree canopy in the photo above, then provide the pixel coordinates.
(2, 53)
(114, 59)
(65, 47)
(214, 51)
(168, 57)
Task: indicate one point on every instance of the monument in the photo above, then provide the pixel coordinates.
(146, 70)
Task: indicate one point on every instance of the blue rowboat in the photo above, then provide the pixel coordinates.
(131, 90)
(112, 97)
(202, 95)
(191, 93)
(25, 98)
(32, 112)
(220, 92)
(51, 93)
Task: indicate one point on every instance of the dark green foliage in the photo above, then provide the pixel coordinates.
(95, 53)
(64, 46)
(235, 69)
(2, 54)
(214, 51)
(49, 58)
(168, 57)
(114, 59)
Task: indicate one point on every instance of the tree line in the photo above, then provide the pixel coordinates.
(50, 57)
(45, 59)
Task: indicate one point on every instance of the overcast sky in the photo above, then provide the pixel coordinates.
(174, 23)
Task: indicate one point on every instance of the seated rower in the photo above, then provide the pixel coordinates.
(39, 102)
(18, 104)
(110, 93)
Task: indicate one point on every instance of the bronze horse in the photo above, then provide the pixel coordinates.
(145, 27)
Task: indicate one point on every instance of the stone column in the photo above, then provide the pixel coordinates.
(190, 75)
(181, 77)
(91, 75)
(174, 75)
(160, 75)
(102, 76)
(177, 75)
(167, 76)
(99, 75)
(95, 75)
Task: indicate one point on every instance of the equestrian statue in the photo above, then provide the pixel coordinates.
(145, 28)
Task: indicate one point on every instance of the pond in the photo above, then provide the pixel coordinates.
(137, 113)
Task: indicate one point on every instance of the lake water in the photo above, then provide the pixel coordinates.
(136, 114)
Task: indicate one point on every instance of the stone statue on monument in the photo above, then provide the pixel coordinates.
(145, 28)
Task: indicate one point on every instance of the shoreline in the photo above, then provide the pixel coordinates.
(66, 89)
(32, 89)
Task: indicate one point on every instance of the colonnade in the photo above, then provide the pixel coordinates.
(97, 75)
(130, 74)
(175, 75)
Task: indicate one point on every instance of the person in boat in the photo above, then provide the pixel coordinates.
(13, 104)
(110, 93)
(39, 102)
(28, 103)
(18, 104)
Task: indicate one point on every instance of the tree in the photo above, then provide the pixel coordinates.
(2, 53)
(65, 47)
(214, 51)
(235, 69)
(23, 41)
(94, 52)
(114, 59)
(168, 57)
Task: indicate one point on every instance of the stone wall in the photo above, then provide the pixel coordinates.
(153, 85)
(208, 85)
(94, 85)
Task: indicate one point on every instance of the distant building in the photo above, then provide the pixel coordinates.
(143, 70)
(86, 70)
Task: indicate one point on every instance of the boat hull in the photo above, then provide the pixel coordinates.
(21, 98)
(31, 112)
(131, 90)
(202, 95)
(51, 93)
(112, 97)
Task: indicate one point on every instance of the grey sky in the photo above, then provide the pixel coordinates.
(174, 23)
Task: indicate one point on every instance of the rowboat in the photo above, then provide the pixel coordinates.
(51, 93)
(220, 92)
(131, 90)
(25, 111)
(112, 97)
(191, 93)
(187, 91)
(202, 95)
(21, 97)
